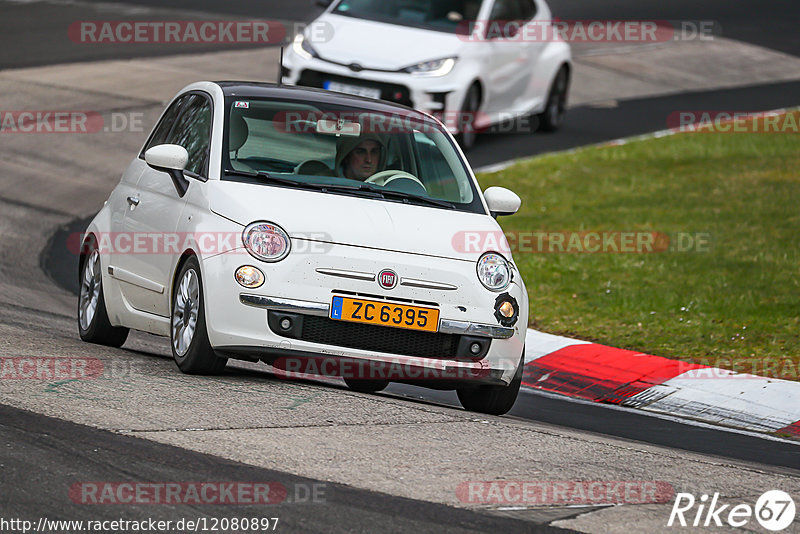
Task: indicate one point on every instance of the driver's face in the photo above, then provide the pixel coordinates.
(362, 162)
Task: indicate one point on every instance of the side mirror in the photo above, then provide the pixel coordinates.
(172, 160)
(501, 201)
(161, 157)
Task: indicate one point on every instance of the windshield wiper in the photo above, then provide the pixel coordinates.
(384, 193)
(264, 176)
(416, 198)
(351, 189)
(363, 189)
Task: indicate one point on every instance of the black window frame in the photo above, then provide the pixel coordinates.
(183, 100)
(532, 7)
(514, 3)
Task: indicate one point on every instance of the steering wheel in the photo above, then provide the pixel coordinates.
(384, 178)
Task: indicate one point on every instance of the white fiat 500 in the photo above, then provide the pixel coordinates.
(286, 224)
(472, 63)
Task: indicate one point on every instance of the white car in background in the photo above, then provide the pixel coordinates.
(463, 61)
(241, 231)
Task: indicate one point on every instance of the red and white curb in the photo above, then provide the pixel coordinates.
(653, 383)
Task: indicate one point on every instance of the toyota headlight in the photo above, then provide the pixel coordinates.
(494, 271)
(436, 67)
(303, 48)
(266, 241)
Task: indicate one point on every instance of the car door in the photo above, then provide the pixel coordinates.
(155, 211)
(508, 54)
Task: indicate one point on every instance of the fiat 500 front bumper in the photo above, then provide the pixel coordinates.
(287, 321)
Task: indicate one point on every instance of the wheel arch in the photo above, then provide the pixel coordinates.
(88, 238)
(184, 257)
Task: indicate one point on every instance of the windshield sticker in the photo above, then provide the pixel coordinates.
(240, 104)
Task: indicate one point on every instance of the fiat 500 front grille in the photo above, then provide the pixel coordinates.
(379, 338)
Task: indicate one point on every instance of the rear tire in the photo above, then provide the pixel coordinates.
(93, 323)
(191, 348)
(366, 386)
(493, 400)
(552, 117)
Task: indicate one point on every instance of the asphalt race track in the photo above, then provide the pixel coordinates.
(532, 405)
(37, 448)
(389, 462)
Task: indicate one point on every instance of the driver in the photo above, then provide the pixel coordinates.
(360, 157)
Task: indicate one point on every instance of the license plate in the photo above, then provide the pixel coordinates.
(357, 90)
(385, 314)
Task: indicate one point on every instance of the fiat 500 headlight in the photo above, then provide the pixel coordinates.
(494, 271)
(266, 241)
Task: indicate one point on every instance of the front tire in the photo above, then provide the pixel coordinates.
(493, 400)
(93, 323)
(191, 348)
(553, 116)
(468, 136)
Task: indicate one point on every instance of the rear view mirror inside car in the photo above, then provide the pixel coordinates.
(339, 127)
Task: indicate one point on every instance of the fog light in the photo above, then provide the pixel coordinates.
(249, 277)
(475, 348)
(286, 323)
(506, 310)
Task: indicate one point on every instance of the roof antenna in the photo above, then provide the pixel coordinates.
(280, 69)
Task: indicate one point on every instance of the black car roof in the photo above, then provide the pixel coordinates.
(293, 92)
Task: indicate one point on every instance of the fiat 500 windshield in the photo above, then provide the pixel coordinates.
(395, 157)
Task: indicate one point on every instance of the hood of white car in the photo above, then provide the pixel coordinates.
(378, 45)
(356, 221)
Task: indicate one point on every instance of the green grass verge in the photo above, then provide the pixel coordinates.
(735, 306)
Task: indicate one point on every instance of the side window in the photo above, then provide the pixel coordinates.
(504, 10)
(527, 9)
(161, 132)
(438, 175)
(192, 132)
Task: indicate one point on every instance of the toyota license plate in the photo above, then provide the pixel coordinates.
(385, 314)
(357, 90)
